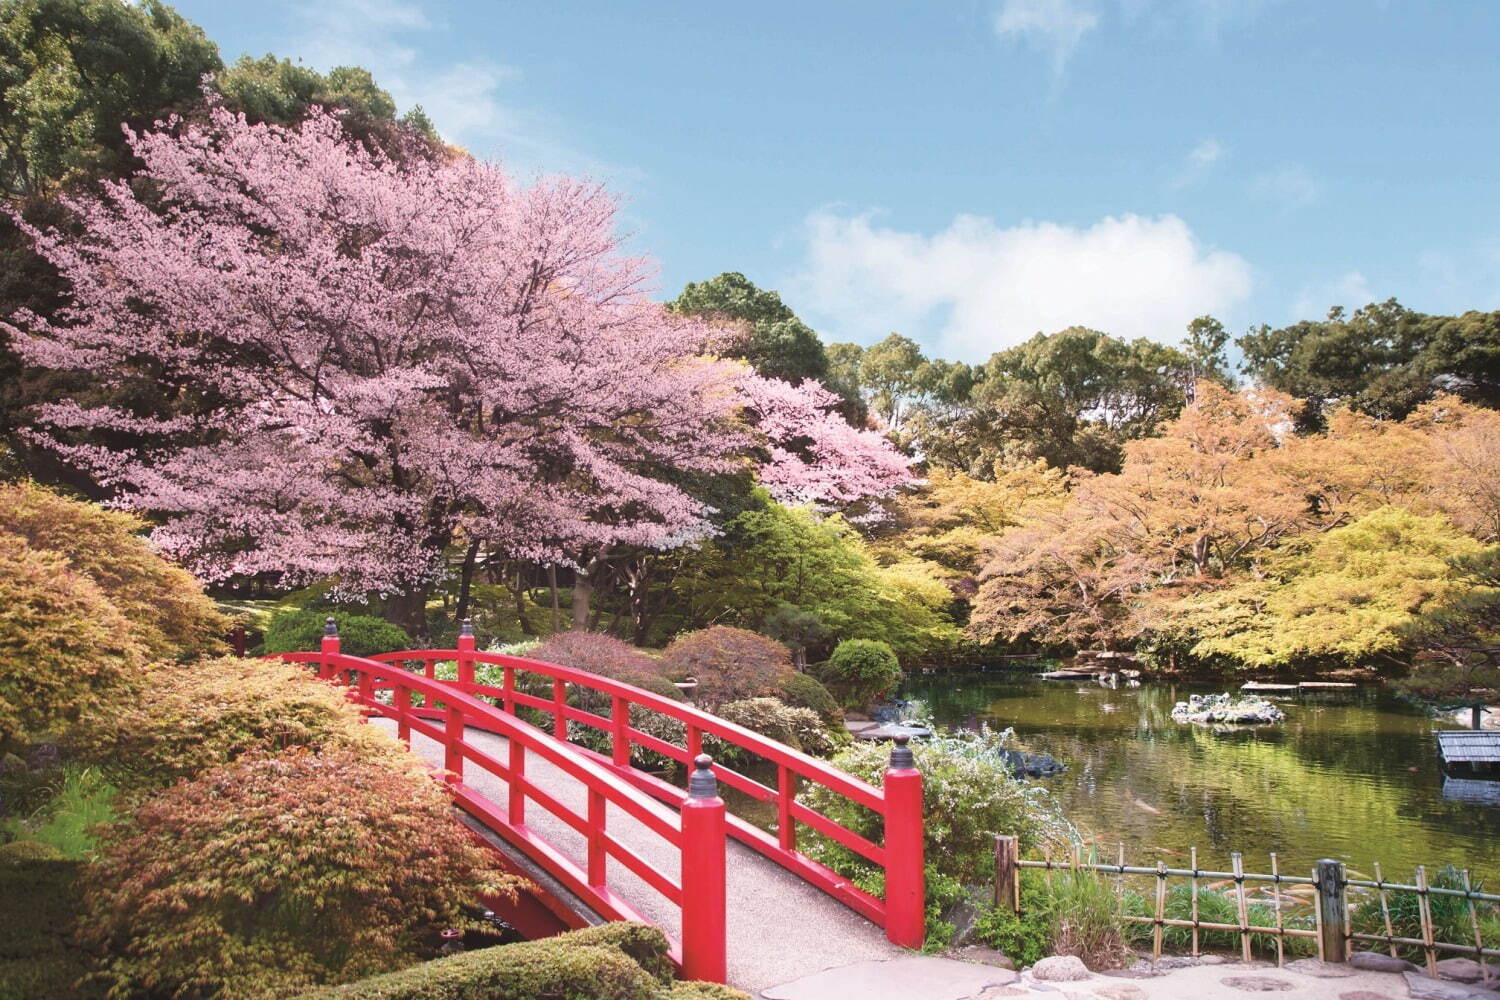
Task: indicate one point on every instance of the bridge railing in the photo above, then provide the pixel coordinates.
(444, 713)
(898, 802)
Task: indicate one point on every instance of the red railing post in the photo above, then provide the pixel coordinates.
(704, 932)
(453, 737)
(619, 712)
(559, 709)
(466, 652)
(905, 880)
(330, 648)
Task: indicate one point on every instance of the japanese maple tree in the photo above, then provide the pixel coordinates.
(346, 361)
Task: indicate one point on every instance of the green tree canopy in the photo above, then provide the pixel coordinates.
(1384, 360)
(1072, 398)
(71, 71)
(281, 91)
(778, 344)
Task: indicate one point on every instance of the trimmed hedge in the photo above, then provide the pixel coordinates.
(730, 664)
(301, 631)
(864, 669)
(806, 691)
(611, 962)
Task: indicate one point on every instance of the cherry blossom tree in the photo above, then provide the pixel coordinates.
(347, 362)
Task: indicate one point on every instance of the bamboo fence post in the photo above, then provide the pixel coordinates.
(1193, 855)
(1318, 915)
(1385, 910)
(1474, 923)
(1161, 909)
(1424, 905)
(1276, 905)
(1239, 878)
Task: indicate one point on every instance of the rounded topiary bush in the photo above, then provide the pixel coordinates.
(301, 631)
(64, 647)
(864, 670)
(806, 691)
(164, 604)
(188, 718)
(281, 872)
(730, 664)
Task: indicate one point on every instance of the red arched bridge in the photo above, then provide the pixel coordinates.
(607, 840)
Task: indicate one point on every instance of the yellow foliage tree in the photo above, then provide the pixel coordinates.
(164, 605)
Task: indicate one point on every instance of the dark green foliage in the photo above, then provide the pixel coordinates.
(39, 908)
(610, 962)
(798, 728)
(1384, 359)
(863, 670)
(702, 991)
(1071, 398)
(806, 691)
(777, 344)
(301, 631)
(72, 70)
(1024, 937)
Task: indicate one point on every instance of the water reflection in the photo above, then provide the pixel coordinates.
(1347, 775)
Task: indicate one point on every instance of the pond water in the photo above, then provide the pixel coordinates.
(1349, 775)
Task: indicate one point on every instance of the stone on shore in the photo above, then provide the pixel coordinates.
(1060, 969)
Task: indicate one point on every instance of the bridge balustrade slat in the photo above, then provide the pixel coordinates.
(844, 836)
(656, 879)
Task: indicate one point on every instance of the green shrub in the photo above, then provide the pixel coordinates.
(164, 604)
(969, 796)
(703, 991)
(730, 664)
(281, 872)
(25, 787)
(864, 670)
(64, 824)
(64, 647)
(39, 911)
(1025, 937)
(609, 962)
(1085, 912)
(188, 718)
(806, 691)
(301, 631)
(798, 728)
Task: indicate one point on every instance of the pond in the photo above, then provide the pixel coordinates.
(1350, 775)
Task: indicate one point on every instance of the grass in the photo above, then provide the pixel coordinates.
(1217, 907)
(84, 800)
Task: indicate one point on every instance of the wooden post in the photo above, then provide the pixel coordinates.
(905, 877)
(453, 739)
(1331, 923)
(237, 640)
(1237, 865)
(619, 748)
(1008, 873)
(704, 914)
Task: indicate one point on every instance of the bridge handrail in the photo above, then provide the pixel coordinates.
(702, 951)
(898, 804)
(806, 766)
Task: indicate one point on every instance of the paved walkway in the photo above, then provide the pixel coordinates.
(780, 928)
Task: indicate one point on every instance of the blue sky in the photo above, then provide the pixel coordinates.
(969, 173)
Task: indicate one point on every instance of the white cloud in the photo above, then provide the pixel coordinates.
(466, 100)
(1291, 187)
(1200, 159)
(1052, 26)
(975, 288)
(1350, 290)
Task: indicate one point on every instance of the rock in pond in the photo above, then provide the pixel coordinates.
(1226, 709)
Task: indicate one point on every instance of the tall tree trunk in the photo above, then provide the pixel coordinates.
(556, 611)
(409, 610)
(466, 581)
(525, 625)
(583, 595)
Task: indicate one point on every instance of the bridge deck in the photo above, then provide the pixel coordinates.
(780, 928)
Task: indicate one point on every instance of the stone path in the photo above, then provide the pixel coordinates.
(924, 978)
(780, 928)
